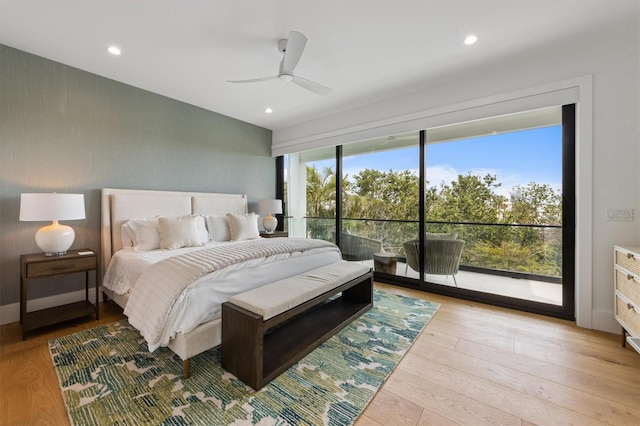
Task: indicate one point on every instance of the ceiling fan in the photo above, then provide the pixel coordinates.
(292, 49)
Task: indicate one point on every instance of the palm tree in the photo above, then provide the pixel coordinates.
(321, 192)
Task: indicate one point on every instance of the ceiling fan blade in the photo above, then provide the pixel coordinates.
(312, 86)
(295, 46)
(253, 80)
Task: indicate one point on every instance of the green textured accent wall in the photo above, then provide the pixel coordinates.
(66, 130)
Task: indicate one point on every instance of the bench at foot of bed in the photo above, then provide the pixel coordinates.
(270, 328)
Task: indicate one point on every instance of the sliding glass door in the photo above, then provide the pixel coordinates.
(481, 210)
(380, 207)
(497, 187)
(310, 194)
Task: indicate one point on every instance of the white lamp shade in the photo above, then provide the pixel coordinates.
(45, 207)
(54, 239)
(270, 206)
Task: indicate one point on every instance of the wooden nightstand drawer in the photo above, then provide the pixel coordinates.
(275, 234)
(626, 278)
(628, 285)
(627, 314)
(627, 260)
(61, 266)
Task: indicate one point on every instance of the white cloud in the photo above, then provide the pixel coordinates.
(441, 173)
(351, 172)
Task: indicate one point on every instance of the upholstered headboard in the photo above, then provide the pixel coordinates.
(120, 205)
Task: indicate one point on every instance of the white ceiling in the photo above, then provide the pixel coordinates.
(366, 50)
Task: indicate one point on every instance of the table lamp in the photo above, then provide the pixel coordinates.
(269, 207)
(54, 239)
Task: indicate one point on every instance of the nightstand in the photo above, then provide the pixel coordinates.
(275, 234)
(36, 266)
(627, 290)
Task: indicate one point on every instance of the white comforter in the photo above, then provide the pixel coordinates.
(201, 300)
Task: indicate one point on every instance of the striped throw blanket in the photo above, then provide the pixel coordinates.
(159, 286)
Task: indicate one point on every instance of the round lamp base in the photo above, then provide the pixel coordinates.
(269, 223)
(55, 239)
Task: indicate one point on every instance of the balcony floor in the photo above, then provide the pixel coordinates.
(525, 289)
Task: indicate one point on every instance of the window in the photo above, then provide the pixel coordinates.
(499, 185)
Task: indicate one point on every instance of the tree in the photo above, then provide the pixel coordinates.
(321, 192)
(470, 198)
(538, 204)
(535, 204)
(391, 195)
(321, 201)
(386, 206)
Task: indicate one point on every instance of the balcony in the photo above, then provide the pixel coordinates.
(518, 261)
(520, 288)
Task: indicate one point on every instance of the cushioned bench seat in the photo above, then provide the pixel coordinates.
(268, 329)
(275, 298)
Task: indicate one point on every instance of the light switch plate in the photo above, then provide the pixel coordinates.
(620, 215)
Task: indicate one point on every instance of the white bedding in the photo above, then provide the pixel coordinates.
(128, 264)
(201, 301)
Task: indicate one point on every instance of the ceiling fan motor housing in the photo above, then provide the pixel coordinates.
(282, 45)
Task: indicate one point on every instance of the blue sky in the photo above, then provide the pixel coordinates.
(516, 158)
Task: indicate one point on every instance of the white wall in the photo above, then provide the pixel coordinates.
(611, 57)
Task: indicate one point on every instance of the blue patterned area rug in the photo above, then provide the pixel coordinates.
(108, 377)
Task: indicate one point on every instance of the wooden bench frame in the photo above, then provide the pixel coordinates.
(256, 351)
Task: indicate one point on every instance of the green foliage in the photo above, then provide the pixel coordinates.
(321, 201)
(389, 195)
(470, 205)
(469, 199)
(321, 192)
(535, 204)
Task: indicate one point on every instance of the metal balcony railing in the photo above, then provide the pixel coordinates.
(517, 250)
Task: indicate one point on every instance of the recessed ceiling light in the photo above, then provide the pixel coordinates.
(470, 39)
(268, 110)
(114, 50)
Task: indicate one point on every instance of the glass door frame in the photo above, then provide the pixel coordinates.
(567, 309)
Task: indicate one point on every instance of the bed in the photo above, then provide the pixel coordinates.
(192, 324)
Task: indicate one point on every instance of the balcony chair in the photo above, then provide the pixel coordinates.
(441, 254)
(358, 248)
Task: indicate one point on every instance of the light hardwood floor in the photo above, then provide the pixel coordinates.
(473, 364)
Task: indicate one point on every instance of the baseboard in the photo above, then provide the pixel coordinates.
(11, 313)
(605, 321)
(602, 320)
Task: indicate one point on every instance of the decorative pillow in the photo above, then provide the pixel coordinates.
(243, 226)
(181, 231)
(143, 233)
(127, 235)
(202, 230)
(442, 236)
(218, 226)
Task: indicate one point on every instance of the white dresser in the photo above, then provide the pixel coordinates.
(627, 291)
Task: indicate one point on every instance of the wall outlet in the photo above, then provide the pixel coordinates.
(620, 215)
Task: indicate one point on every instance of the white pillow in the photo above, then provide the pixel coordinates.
(181, 231)
(243, 226)
(202, 230)
(127, 235)
(218, 227)
(144, 234)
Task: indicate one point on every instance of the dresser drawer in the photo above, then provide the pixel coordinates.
(628, 261)
(61, 266)
(628, 285)
(628, 315)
